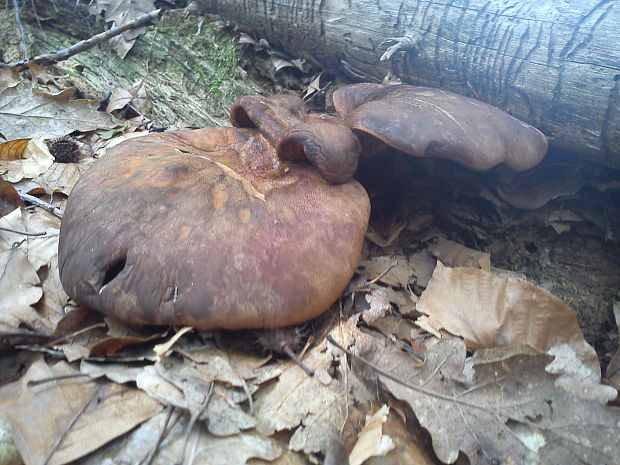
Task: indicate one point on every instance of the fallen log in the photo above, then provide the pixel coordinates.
(553, 64)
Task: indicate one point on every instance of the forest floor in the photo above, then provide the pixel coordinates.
(78, 388)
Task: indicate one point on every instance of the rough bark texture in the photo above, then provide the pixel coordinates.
(553, 64)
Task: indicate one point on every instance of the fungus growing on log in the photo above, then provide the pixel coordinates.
(429, 122)
(207, 228)
(323, 140)
(232, 228)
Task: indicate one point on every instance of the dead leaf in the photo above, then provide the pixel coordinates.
(60, 420)
(379, 305)
(35, 160)
(409, 443)
(202, 447)
(13, 149)
(111, 345)
(454, 254)
(185, 387)
(120, 12)
(25, 114)
(61, 177)
(503, 408)
(9, 198)
(41, 245)
(371, 441)
(120, 98)
(423, 264)
(161, 349)
(313, 410)
(52, 305)
(398, 276)
(489, 311)
(20, 289)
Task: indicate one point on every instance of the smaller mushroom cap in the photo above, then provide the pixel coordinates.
(206, 228)
(323, 140)
(428, 122)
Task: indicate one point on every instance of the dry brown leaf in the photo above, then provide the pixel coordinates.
(489, 311)
(398, 276)
(379, 304)
(499, 408)
(9, 77)
(409, 448)
(20, 289)
(423, 264)
(612, 374)
(371, 441)
(25, 114)
(186, 386)
(120, 12)
(404, 300)
(61, 177)
(162, 349)
(141, 101)
(202, 447)
(111, 345)
(303, 404)
(13, 149)
(454, 254)
(9, 198)
(52, 305)
(40, 249)
(120, 98)
(35, 160)
(76, 320)
(63, 419)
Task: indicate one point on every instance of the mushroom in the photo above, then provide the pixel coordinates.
(209, 228)
(323, 140)
(232, 228)
(428, 122)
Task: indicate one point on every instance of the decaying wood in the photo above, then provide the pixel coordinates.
(553, 64)
(181, 62)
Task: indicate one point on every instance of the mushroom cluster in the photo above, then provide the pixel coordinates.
(260, 225)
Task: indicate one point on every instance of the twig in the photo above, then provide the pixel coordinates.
(75, 333)
(64, 54)
(288, 351)
(427, 392)
(160, 438)
(192, 421)
(36, 382)
(380, 277)
(42, 203)
(22, 33)
(70, 425)
(25, 233)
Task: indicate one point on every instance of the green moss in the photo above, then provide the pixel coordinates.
(190, 70)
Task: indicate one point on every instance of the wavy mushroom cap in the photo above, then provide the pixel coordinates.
(205, 228)
(323, 140)
(428, 122)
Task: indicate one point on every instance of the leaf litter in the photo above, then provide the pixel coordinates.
(483, 394)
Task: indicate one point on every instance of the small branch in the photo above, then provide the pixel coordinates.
(14, 231)
(160, 438)
(22, 33)
(42, 203)
(380, 277)
(70, 425)
(64, 54)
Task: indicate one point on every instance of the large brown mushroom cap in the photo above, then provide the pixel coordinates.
(205, 228)
(429, 122)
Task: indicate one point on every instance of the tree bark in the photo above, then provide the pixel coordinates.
(554, 64)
